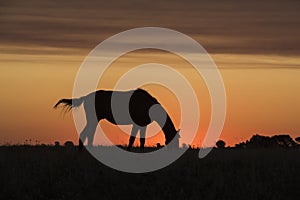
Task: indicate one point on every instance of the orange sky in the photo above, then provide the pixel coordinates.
(255, 45)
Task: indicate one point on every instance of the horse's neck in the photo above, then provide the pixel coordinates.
(169, 128)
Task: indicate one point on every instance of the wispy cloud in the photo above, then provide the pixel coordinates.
(235, 27)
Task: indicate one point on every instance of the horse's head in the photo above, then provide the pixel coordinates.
(173, 140)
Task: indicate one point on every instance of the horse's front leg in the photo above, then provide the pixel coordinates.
(134, 131)
(142, 137)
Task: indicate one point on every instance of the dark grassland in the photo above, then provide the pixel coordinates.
(64, 173)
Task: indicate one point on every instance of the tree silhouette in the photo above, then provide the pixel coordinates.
(276, 141)
(220, 144)
(56, 143)
(69, 144)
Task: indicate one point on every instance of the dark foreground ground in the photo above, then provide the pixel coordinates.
(65, 173)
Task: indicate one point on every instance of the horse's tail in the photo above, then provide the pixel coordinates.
(70, 103)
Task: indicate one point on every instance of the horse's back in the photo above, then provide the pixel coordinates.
(124, 107)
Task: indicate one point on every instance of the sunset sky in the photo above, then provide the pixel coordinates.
(255, 44)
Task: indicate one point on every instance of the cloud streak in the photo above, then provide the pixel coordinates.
(237, 27)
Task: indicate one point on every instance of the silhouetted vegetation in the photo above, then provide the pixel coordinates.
(220, 144)
(69, 144)
(266, 168)
(49, 172)
(277, 141)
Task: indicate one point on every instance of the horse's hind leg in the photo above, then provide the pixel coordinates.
(142, 137)
(91, 123)
(132, 136)
(87, 133)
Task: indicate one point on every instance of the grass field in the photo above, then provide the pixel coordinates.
(64, 173)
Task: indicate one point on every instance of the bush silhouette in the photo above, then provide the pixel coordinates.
(56, 143)
(69, 144)
(276, 141)
(220, 144)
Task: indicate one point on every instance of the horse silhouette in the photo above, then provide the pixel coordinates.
(136, 107)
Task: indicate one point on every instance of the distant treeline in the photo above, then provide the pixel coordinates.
(256, 141)
(276, 141)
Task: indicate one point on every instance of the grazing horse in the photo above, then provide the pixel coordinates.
(136, 107)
